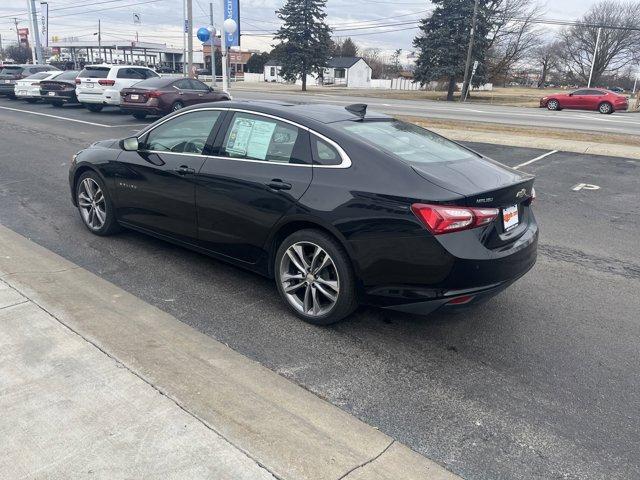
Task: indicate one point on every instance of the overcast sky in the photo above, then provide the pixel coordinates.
(161, 19)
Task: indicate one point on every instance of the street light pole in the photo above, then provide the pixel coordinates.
(595, 53)
(223, 51)
(100, 41)
(190, 37)
(37, 47)
(213, 47)
(467, 68)
(184, 37)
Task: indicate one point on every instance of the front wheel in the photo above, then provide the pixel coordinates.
(315, 278)
(92, 107)
(94, 205)
(553, 105)
(57, 104)
(31, 100)
(605, 108)
(139, 115)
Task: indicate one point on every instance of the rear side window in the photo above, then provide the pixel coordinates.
(198, 85)
(324, 153)
(254, 137)
(132, 73)
(182, 84)
(407, 141)
(94, 72)
(69, 75)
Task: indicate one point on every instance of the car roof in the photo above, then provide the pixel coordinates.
(108, 65)
(302, 113)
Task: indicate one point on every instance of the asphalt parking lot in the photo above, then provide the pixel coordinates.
(540, 383)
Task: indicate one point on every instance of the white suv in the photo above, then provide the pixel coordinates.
(100, 85)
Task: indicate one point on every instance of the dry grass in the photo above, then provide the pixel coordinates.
(526, 131)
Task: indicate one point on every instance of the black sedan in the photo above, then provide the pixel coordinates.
(61, 89)
(340, 206)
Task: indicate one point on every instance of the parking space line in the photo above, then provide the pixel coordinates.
(73, 119)
(529, 162)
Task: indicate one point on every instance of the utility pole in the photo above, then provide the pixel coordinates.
(100, 42)
(467, 68)
(213, 47)
(39, 57)
(595, 54)
(190, 38)
(223, 50)
(15, 21)
(184, 37)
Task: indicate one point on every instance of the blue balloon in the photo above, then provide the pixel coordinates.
(203, 34)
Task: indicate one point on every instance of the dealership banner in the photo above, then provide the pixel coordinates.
(232, 10)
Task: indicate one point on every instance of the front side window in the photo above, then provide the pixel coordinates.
(186, 133)
(255, 137)
(581, 92)
(407, 141)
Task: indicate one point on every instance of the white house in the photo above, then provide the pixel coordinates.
(352, 72)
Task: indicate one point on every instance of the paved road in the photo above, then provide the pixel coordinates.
(620, 122)
(540, 383)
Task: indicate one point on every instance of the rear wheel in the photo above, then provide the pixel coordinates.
(139, 115)
(94, 205)
(553, 105)
(315, 278)
(57, 104)
(177, 106)
(92, 107)
(605, 108)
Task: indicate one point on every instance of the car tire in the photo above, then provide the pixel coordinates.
(88, 189)
(177, 106)
(92, 107)
(57, 104)
(553, 105)
(31, 100)
(139, 115)
(605, 108)
(320, 272)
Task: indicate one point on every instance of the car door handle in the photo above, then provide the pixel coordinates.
(184, 170)
(277, 184)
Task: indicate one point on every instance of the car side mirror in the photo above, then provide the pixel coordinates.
(571, 94)
(130, 144)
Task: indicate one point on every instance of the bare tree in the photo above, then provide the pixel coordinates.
(619, 40)
(513, 34)
(547, 57)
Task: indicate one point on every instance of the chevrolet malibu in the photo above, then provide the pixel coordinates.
(339, 205)
(603, 101)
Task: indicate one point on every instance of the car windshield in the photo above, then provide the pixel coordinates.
(94, 72)
(407, 141)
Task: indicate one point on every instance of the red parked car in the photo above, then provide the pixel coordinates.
(603, 101)
(163, 95)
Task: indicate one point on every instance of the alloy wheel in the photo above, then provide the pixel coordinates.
(91, 203)
(605, 108)
(309, 279)
(553, 105)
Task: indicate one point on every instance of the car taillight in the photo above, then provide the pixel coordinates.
(106, 83)
(35, 83)
(154, 94)
(441, 219)
(78, 81)
(533, 194)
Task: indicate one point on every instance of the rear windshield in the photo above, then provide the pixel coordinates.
(94, 72)
(11, 70)
(68, 75)
(154, 83)
(407, 141)
(38, 76)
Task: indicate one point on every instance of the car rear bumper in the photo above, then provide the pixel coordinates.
(142, 108)
(99, 98)
(65, 97)
(7, 89)
(461, 275)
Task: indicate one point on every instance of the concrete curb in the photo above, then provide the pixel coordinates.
(286, 429)
(512, 140)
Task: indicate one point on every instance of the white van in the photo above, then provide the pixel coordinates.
(100, 85)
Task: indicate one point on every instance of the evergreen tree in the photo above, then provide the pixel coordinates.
(256, 62)
(304, 39)
(348, 48)
(443, 41)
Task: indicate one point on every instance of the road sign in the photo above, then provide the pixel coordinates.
(475, 67)
(136, 18)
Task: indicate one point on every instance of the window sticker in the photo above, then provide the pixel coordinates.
(250, 138)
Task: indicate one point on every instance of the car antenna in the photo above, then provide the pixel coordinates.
(359, 109)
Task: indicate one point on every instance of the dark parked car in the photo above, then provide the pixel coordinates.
(61, 89)
(10, 73)
(165, 69)
(159, 96)
(340, 206)
(596, 99)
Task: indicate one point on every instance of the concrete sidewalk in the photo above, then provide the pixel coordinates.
(96, 383)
